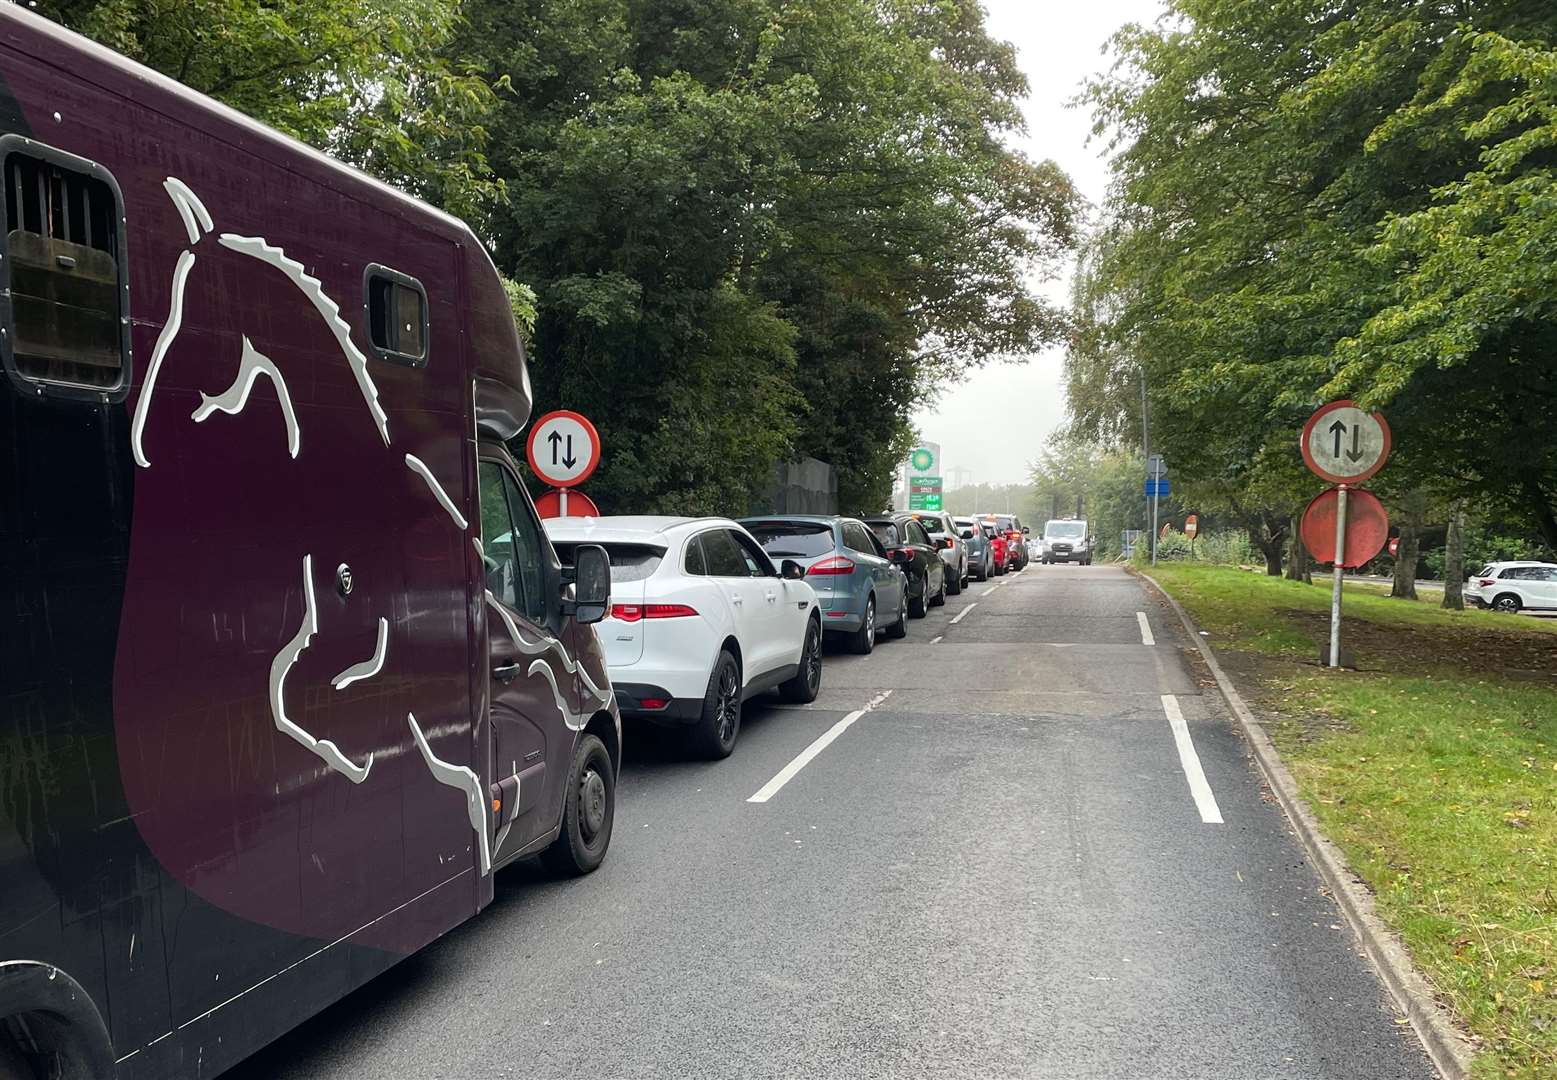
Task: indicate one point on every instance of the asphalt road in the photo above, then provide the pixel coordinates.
(1002, 869)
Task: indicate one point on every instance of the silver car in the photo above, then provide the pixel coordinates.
(981, 553)
(947, 538)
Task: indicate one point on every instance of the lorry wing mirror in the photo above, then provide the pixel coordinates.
(591, 584)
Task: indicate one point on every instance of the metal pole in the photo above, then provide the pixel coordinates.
(1340, 570)
(1156, 487)
(563, 501)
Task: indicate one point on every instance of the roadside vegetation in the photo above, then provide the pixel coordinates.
(1433, 766)
(741, 232)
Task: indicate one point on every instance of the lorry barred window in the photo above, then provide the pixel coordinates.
(397, 316)
(65, 270)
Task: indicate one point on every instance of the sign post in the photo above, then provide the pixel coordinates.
(1156, 485)
(1344, 445)
(564, 450)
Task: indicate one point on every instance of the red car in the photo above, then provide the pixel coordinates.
(999, 550)
(1008, 528)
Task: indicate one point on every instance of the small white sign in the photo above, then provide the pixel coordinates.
(1344, 444)
(563, 449)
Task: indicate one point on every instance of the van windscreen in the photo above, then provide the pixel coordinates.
(1065, 530)
(794, 539)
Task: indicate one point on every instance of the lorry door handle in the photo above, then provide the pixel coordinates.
(506, 672)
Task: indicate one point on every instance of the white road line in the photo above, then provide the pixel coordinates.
(804, 758)
(989, 590)
(935, 640)
(1205, 802)
(964, 613)
(1146, 629)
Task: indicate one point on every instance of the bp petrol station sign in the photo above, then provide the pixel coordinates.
(924, 478)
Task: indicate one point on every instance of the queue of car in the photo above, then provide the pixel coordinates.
(707, 613)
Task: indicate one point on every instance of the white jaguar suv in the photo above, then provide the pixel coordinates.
(701, 620)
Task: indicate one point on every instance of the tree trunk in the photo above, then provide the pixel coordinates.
(1298, 568)
(1454, 560)
(1404, 587)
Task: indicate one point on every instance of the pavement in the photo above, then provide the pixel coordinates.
(1035, 847)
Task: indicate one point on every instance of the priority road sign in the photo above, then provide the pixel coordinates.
(1345, 445)
(563, 448)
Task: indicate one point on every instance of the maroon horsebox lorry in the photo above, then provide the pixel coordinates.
(288, 666)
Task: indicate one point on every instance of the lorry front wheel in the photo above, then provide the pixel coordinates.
(588, 811)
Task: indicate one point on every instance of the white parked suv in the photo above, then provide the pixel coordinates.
(1512, 586)
(947, 538)
(700, 621)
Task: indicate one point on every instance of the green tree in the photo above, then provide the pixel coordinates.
(824, 186)
(1316, 200)
(363, 80)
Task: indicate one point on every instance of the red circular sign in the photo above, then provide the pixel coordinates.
(563, 448)
(1367, 526)
(1191, 526)
(549, 505)
(1394, 545)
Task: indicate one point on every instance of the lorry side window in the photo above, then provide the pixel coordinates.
(65, 270)
(510, 541)
(397, 316)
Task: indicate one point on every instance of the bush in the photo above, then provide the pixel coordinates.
(1231, 548)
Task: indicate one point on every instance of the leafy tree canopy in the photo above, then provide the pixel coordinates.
(1314, 200)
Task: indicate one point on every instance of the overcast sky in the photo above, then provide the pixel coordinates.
(997, 421)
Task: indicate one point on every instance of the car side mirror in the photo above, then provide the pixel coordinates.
(1027, 530)
(901, 556)
(966, 534)
(591, 597)
(790, 570)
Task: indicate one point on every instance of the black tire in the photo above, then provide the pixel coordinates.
(899, 630)
(714, 734)
(939, 599)
(1000, 569)
(954, 586)
(588, 812)
(1507, 603)
(983, 572)
(807, 683)
(916, 604)
(863, 640)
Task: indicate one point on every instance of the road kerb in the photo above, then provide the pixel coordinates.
(1449, 1049)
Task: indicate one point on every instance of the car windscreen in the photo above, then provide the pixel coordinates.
(1065, 530)
(793, 539)
(886, 532)
(629, 562)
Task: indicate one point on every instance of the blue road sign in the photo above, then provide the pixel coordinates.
(1158, 487)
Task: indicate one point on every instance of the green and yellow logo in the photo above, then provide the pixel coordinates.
(922, 459)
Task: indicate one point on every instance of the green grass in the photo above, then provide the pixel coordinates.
(1434, 769)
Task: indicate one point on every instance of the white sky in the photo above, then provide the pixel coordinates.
(998, 420)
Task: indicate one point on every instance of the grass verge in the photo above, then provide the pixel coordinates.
(1434, 767)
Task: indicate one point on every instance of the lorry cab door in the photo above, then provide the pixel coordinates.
(526, 722)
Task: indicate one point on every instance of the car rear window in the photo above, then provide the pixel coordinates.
(629, 562)
(932, 525)
(886, 532)
(793, 539)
